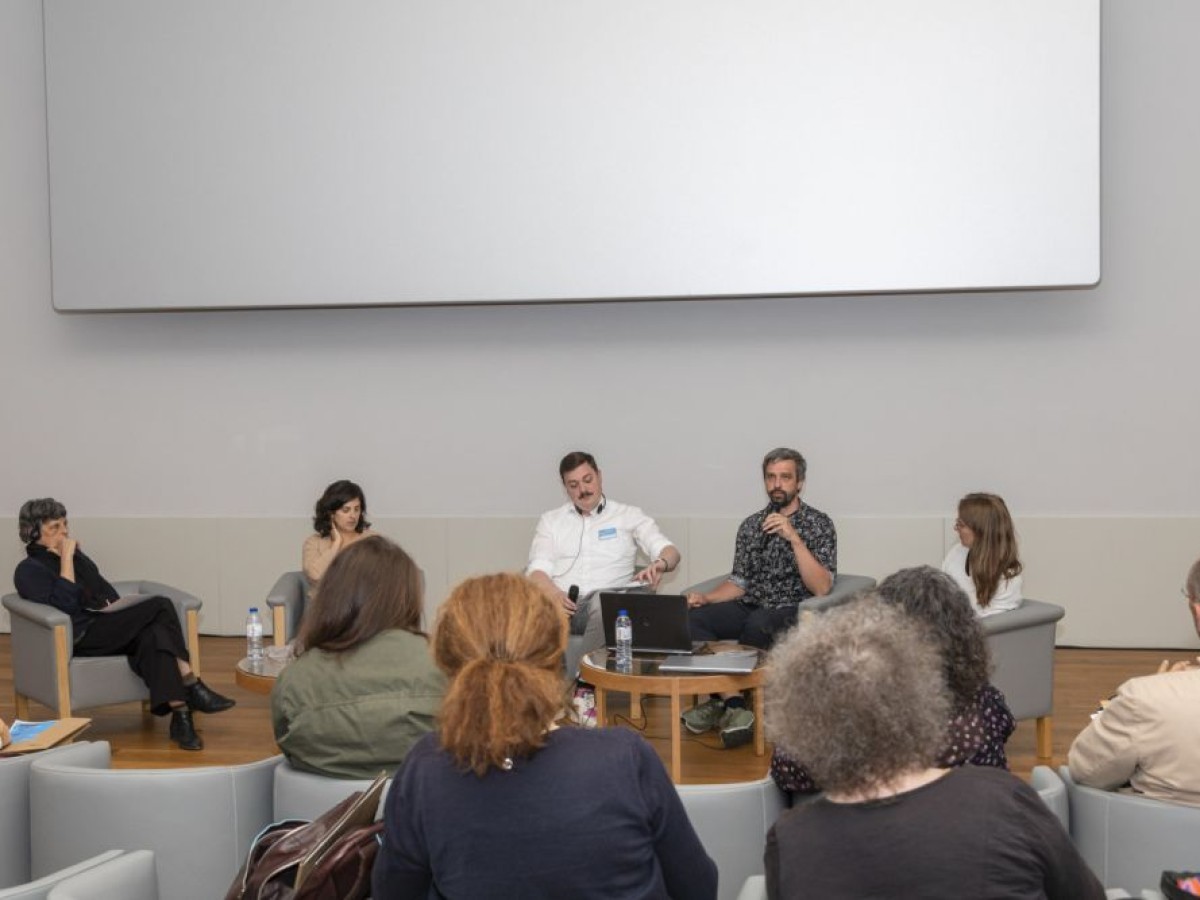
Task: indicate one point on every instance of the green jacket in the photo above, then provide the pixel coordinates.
(353, 714)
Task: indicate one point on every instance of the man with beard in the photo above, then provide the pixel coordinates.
(590, 543)
(785, 553)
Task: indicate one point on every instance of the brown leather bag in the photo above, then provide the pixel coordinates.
(329, 858)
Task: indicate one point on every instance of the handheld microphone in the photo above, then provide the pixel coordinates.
(573, 593)
(774, 507)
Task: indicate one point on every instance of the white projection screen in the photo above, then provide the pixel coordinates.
(354, 152)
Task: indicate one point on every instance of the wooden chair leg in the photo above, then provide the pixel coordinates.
(146, 713)
(279, 626)
(193, 640)
(1045, 737)
(21, 702)
(62, 672)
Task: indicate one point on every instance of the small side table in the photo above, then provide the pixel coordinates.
(598, 668)
(260, 680)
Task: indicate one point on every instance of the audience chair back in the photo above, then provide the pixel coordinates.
(40, 889)
(198, 821)
(1053, 793)
(303, 795)
(130, 876)
(46, 670)
(732, 821)
(14, 809)
(1129, 840)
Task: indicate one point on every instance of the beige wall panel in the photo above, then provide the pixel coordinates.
(710, 547)
(1118, 578)
(478, 546)
(184, 553)
(11, 553)
(879, 546)
(254, 553)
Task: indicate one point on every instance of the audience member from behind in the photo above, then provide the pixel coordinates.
(501, 803)
(147, 631)
(1148, 735)
(858, 693)
(339, 519)
(984, 563)
(980, 722)
(363, 688)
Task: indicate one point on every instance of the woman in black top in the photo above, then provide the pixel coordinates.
(56, 572)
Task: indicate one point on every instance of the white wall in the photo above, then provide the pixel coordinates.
(1077, 406)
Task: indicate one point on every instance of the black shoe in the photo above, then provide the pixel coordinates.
(183, 730)
(202, 698)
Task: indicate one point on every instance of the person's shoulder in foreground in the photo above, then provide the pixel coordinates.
(976, 831)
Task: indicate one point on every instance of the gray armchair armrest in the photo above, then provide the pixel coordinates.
(42, 615)
(844, 587)
(287, 600)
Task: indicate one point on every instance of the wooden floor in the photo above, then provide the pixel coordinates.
(243, 734)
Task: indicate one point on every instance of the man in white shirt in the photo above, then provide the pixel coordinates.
(591, 543)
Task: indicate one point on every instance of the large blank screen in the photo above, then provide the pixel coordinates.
(330, 152)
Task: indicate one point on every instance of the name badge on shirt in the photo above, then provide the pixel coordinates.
(607, 534)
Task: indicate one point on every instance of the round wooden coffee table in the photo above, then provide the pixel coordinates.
(259, 679)
(598, 668)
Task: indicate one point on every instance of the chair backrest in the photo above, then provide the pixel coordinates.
(732, 821)
(199, 822)
(40, 889)
(303, 795)
(14, 805)
(287, 600)
(1021, 642)
(130, 876)
(1127, 840)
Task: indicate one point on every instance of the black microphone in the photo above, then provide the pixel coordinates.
(774, 507)
(573, 593)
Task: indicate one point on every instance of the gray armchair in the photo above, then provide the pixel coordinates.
(287, 601)
(45, 668)
(130, 876)
(199, 822)
(305, 795)
(1129, 840)
(1022, 646)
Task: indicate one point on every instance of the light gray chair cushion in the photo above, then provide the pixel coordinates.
(1053, 793)
(14, 806)
(732, 821)
(199, 822)
(1022, 646)
(131, 876)
(303, 795)
(40, 889)
(1129, 840)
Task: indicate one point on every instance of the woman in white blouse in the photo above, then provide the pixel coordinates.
(985, 563)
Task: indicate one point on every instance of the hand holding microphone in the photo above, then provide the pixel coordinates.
(571, 600)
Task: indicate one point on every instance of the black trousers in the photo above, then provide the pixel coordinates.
(149, 634)
(734, 620)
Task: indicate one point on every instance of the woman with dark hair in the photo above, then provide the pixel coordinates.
(502, 803)
(339, 519)
(859, 694)
(56, 572)
(363, 687)
(984, 562)
(980, 722)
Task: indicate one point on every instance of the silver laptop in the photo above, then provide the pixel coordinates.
(722, 662)
(660, 622)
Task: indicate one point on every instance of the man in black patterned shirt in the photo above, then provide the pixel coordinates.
(784, 554)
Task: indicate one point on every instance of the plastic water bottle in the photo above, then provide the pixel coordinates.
(624, 642)
(254, 640)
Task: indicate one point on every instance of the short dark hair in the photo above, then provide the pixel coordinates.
(932, 598)
(335, 497)
(574, 460)
(33, 514)
(371, 586)
(781, 454)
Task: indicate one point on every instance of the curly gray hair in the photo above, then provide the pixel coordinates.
(857, 695)
(33, 513)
